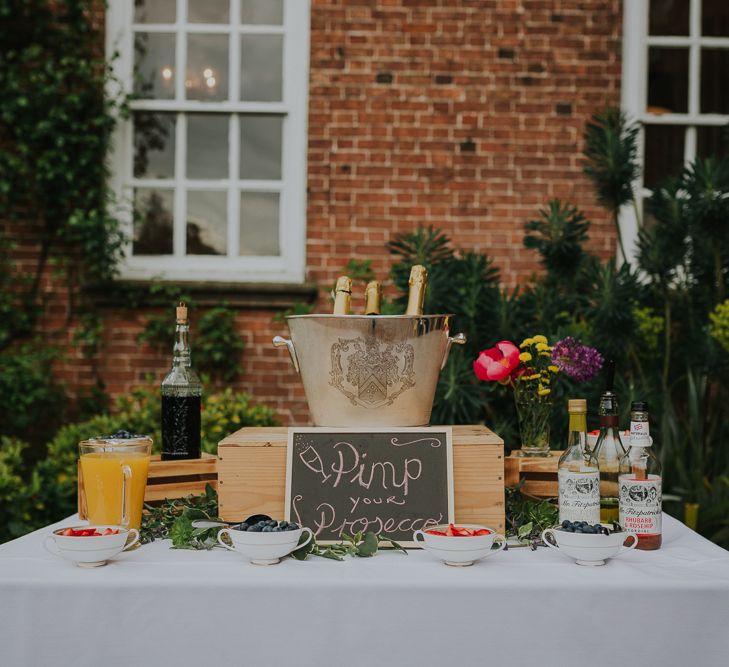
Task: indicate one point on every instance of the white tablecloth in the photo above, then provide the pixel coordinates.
(157, 606)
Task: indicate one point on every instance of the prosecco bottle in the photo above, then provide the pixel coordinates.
(416, 295)
(342, 295)
(181, 394)
(373, 297)
(640, 482)
(578, 478)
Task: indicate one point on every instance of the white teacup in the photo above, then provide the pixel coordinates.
(264, 548)
(460, 551)
(588, 549)
(91, 551)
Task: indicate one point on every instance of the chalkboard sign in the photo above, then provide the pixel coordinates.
(388, 481)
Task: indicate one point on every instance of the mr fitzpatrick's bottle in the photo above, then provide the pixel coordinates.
(608, 450)
(181, 393)
(578, 477)
(640, 482)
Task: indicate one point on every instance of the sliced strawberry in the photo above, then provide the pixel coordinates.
(435, 532)
(460, 532)
(108, 531)
(68, 532)
(483, 531)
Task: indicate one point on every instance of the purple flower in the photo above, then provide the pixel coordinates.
(579, 361)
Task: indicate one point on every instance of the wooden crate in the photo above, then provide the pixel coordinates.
(539, 473)
(252, 474)
(170, 479)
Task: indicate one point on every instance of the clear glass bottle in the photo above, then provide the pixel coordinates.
(578, 477)
(640, 480)
(416, 295)
(181, 395)
(608, 450)
(342, 296)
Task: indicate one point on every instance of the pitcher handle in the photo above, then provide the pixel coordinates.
(458, 339)
(279, 341)
(126, 496)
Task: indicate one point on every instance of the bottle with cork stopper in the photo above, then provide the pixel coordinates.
(181, 394)
(342, 295)
(373, 297)
(416, 295)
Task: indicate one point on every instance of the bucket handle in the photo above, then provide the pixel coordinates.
(458, 339)
(278, 341)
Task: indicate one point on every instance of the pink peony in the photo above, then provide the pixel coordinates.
(497, 363)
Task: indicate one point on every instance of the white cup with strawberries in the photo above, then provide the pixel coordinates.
(90, 546)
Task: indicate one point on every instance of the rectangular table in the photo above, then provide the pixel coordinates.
(157, 606)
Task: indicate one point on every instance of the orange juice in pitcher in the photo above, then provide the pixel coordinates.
(114, 477)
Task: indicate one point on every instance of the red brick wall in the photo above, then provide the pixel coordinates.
(461, 114)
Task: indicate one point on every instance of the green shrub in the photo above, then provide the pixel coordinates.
(19, 505)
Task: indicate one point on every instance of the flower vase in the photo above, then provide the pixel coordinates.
(534, 413)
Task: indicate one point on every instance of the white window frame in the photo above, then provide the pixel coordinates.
(289, 266)
(634, 94)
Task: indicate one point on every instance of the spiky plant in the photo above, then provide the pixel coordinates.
(611, 162)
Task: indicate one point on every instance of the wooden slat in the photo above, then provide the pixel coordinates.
(539, 473)
(159, 468)
(177, 490)
(252, 474)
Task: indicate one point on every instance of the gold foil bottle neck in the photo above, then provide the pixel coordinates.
(418, 282)
(373, 297)
(578, 405)
(342, 295)
(181, 313)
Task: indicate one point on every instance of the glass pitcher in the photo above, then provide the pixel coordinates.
(112, 479)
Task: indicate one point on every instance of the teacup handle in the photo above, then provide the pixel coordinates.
(550, 532)
(53, 551)
(221, 532)
(129, 545)
(415, 537)
(502, 545)
(307, 540)
(632, 546)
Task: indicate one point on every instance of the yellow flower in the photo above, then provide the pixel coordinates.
(526, 342)
(545, 354)
(525, 356)
(554, 369)
(544, 391)
(532, 377)
(542, 347)
(540, 339)
(545, 380)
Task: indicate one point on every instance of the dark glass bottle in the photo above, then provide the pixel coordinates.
(181, 394)
(608, 450)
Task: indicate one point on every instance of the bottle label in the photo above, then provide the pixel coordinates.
(579, 496)
(640, 434)
(640, 504)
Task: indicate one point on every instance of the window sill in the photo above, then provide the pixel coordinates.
(264, 296)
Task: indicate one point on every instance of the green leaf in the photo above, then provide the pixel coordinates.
(394, 545)
(181, 532)
(368, 546)
(524, 531)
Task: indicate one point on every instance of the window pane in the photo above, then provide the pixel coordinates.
(207, 67)
(712, 141)
(667, 80)
(715, 18)
(669, 17)
(663, 153)
(154, 11)
(207, 145)
(207, 222)
(714, 81)
(208, 11)
(152, 221)
(259, 223)
(261, 67)
(154, 70)
(260, 147)
(269, 12)
(154, 145)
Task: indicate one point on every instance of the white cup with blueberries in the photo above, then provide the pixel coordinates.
(264, 541)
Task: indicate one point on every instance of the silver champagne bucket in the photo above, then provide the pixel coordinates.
(369, 370)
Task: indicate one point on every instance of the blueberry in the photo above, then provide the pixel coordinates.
(276, 529)
(255, 529)
(597, 526)
(566, 524)
(293, 526)
(262, 523)
(242, 526)
(605, 531)
(266, 529)
(283, 524)
(122, 435)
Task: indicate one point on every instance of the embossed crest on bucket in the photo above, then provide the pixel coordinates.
(374, 370)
